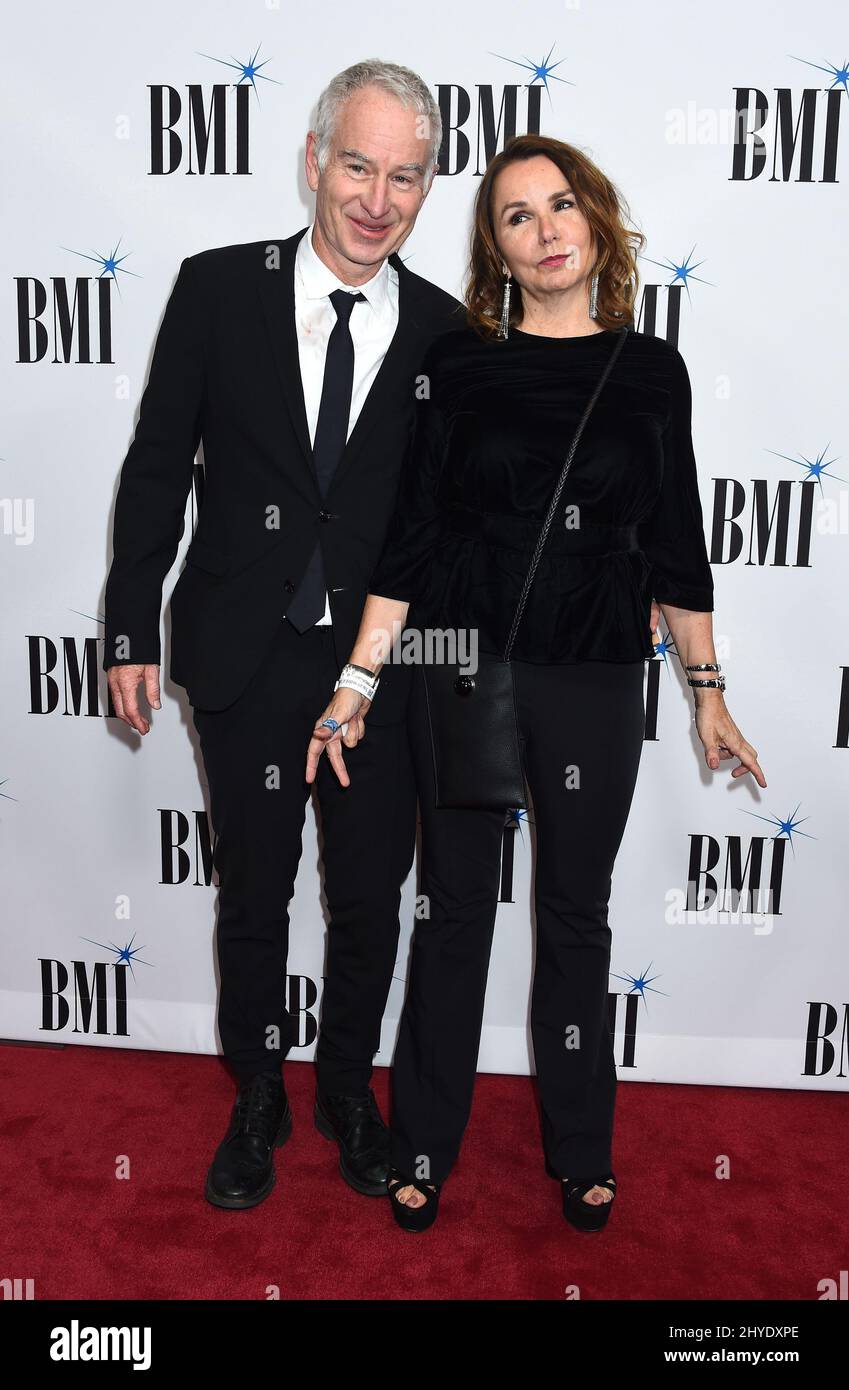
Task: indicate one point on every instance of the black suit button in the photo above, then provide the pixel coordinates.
(324, 516)
(289, 587)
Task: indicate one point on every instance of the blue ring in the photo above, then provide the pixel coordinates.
(331, 724)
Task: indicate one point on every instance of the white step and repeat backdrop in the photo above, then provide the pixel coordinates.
(726, 129)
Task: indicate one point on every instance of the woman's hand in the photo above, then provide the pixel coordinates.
(348, 708)
(722, 738)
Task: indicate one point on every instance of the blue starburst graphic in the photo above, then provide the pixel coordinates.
(109, 265)
(681, 273)
(840, 75)
(248, 72)
(664, 648)
(814, 468)
(789, 826)
(516, 818)
(541, 72)
(641, 984)
(99, 619)
(124, 955)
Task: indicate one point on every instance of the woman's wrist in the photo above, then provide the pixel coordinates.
(708, 696)
(704, 677)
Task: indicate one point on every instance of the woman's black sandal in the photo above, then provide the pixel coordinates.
(413, 1218)
(586, 1216)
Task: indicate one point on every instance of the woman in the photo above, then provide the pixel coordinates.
(503, 398)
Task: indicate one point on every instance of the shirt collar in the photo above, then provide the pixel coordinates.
(319, 280)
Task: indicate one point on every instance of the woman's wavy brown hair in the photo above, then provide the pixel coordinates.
(617, 245)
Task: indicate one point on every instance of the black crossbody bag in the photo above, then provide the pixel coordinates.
(474, 729)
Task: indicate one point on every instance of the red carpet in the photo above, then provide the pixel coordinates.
(774, 1230)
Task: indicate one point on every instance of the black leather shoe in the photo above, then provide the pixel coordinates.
(242, 1171)
(363, 1139)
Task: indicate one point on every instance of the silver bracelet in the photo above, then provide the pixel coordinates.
(718, 684)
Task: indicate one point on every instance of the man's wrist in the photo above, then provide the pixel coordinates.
(366, 661)
(354, 677)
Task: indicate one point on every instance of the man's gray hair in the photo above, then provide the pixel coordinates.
(401, 82)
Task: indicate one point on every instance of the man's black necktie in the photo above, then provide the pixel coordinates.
(331, 434)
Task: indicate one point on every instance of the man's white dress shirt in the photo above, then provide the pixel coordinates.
(372, 324)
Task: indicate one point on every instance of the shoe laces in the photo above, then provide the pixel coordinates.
(353, 1110)
(255, 1106)
(353, 1106)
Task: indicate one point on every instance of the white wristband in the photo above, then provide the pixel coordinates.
(352, 679)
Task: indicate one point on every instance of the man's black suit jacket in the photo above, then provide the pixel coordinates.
(226, 371)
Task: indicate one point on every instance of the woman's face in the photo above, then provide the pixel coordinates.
(543, 237)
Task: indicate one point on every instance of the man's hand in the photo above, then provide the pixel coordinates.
(123, 685)
(349, 708)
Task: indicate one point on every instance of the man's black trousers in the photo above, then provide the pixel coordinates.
(255, 753)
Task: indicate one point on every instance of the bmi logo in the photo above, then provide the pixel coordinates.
(794, 135)
(85, 997)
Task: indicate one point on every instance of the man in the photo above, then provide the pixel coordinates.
(295, 363)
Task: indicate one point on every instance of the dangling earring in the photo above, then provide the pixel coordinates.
(594, 296)
(504, 326)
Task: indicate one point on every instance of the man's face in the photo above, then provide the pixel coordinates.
(369, 195)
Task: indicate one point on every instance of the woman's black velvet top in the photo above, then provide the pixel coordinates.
(488, 444)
